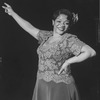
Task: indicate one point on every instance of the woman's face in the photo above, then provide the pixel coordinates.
(61, 24)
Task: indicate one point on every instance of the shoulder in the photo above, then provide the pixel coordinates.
(43, 35)
(73, 39)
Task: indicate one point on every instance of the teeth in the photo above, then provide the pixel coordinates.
(61, 28)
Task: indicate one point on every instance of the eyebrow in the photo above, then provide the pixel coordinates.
(65, 20)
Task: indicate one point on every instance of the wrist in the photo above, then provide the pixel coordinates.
(13, 14)
(67, 62)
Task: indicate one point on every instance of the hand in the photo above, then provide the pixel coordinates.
(8, 9)
(64, 67)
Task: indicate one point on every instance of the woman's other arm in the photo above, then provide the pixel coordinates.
(28, 27)
(86, 52)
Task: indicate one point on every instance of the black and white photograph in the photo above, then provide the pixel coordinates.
(49, 50)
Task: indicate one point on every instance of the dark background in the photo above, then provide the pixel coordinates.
(18, 49)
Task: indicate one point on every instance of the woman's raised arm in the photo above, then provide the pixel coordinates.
(28, 27)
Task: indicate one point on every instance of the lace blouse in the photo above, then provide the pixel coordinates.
(53, 55)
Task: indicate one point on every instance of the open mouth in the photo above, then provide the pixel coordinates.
(61, 28)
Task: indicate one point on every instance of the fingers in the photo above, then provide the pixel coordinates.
(61, 70)
(7, 4)
(4, 7)
(6, 10)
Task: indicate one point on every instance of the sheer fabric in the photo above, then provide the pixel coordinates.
(54, 91)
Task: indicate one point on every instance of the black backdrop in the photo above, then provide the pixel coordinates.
(18, 49)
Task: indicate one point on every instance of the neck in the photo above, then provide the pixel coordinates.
(55, 34)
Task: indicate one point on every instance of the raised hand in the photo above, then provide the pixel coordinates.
(8, 9)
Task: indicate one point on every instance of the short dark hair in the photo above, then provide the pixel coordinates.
(65, 12)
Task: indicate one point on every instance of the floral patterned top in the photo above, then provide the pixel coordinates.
(53, 55)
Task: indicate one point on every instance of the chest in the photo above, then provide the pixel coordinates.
(52, 41)
(52, 47)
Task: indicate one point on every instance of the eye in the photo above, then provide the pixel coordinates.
(66, 23)
(58, 21)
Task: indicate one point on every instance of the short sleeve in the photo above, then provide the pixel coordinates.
(75, 45)
(43, 36)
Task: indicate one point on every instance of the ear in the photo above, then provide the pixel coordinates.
(53, 22)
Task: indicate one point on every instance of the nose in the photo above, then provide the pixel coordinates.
(62, 24)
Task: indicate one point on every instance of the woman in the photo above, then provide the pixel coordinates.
(57, 51)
